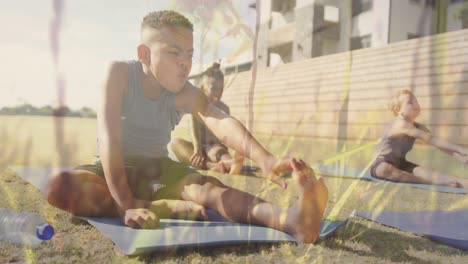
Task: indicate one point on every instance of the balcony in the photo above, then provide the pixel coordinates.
(282, 35)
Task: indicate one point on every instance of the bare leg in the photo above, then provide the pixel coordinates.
(236, 167)
(182, 149)
(220, 167)
(389, 172)
(179, 209)
(441, 179)
(222, 161)
(302, 220)
(83, 193)
(228, 164)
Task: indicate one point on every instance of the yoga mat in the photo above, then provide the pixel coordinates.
(182, 234)
(176, 233)
(447, 227)
(355, 173)
(37, 176)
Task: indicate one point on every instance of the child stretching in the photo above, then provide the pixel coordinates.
(142, 102)
(206, 151)
(390, 156)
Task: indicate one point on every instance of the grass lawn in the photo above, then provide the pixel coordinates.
(31, 141)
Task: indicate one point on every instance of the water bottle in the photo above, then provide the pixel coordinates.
(24, 228)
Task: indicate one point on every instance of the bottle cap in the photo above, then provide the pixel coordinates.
(44, 232)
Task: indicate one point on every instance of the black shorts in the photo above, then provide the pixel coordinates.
(143, 173)
(402, 164)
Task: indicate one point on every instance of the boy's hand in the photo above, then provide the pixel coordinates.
(273, 167)
(463, 151)
(198, 158)
(140, 218)
(461, 157)
(137, 215)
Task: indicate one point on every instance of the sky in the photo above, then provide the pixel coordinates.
(92, 33)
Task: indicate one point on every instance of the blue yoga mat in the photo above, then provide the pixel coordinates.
(355, 173)
(182, 234)
(37, 176)
(176, 233)
(447, 227)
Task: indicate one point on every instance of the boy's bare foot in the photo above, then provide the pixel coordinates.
(304, 217)
(461, 183)
(456, 183)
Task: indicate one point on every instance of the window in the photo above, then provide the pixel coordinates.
(283, 10)
(238, 68)
(283, 6)
(361, 6)
(361, 42)
(431, 3)
(280, 54)
(413, 36)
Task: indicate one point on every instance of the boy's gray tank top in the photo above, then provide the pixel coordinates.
(146, 124)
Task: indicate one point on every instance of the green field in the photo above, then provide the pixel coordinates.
(40, 141)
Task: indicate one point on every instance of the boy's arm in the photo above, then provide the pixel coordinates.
(231, 132)
(198, 157)
(453, 150)
(109, 121)
(424, 136)
(442, 144)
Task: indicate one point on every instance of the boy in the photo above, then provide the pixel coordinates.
(206, 151)
(398, 139)
(142, 103)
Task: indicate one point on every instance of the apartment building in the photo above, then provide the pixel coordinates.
(292, 30)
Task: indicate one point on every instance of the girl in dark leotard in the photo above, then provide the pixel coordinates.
(390, 155)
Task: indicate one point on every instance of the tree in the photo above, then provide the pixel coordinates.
(217, 19)
(46, 110)
(87, 112)
(26, 109)
(62, 111)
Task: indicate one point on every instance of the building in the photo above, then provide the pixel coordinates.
(292, 30)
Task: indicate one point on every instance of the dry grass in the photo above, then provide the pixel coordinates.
(47, 141)
(31, 141)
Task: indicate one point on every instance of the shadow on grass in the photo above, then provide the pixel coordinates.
(385, 245)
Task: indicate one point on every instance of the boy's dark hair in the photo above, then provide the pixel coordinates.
(158, 19)
(214, 71)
